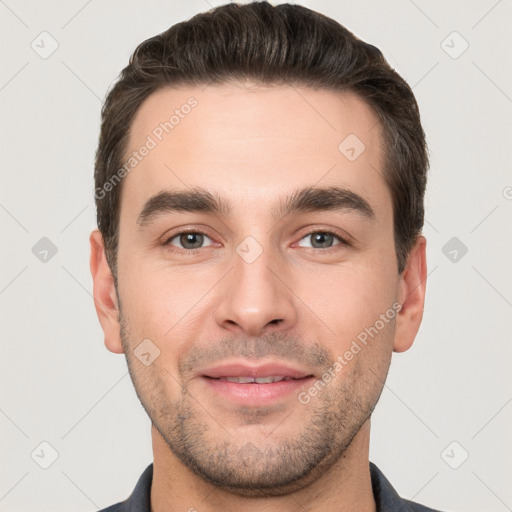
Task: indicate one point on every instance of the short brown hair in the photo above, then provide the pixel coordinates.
(283, 44)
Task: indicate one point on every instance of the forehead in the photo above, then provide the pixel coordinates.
(253, 142)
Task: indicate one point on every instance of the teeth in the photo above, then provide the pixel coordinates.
(241, 380)
(257, 380)
(268, 380)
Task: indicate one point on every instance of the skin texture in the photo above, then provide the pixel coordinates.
(298, 302)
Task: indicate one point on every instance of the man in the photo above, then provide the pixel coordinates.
(259, 182)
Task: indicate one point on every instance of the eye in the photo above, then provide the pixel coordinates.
(323, 240)
(188, 240)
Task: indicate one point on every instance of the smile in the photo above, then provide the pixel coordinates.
(256, 380)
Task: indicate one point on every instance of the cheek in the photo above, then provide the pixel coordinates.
(348, 300)
(165, 305)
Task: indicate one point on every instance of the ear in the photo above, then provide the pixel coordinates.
(104, 293)
(411, 295)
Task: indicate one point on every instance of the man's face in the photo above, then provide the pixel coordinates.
(255, 290)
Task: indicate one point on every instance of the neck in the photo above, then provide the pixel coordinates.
(344, 487)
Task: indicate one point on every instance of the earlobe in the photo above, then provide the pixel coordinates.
(104, 293)
(411, 295)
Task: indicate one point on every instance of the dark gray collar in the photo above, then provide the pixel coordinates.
(386, 498)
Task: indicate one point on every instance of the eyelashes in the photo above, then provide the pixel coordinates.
(332, 234)
(183, 235)
(197, 236)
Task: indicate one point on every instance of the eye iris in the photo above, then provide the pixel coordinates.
(324, 239)
(185, 238)
(320, 239)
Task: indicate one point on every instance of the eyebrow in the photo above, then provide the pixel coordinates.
(308, 199)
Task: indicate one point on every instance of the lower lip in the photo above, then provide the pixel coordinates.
(256, 394)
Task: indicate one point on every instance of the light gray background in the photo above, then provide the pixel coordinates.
(59, 384)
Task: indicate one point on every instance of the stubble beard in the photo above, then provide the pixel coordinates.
(273, 466)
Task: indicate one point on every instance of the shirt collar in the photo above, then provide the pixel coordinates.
(386, 497)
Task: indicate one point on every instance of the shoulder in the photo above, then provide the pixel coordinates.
(118, 507)
(411, 506)
(139, 499)
(386, 497)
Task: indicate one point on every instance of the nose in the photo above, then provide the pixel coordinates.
(255, 297)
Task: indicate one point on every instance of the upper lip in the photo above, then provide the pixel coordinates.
(238, 369)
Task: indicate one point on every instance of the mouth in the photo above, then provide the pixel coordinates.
(257, 380)
(254, 373)
(245, 384)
